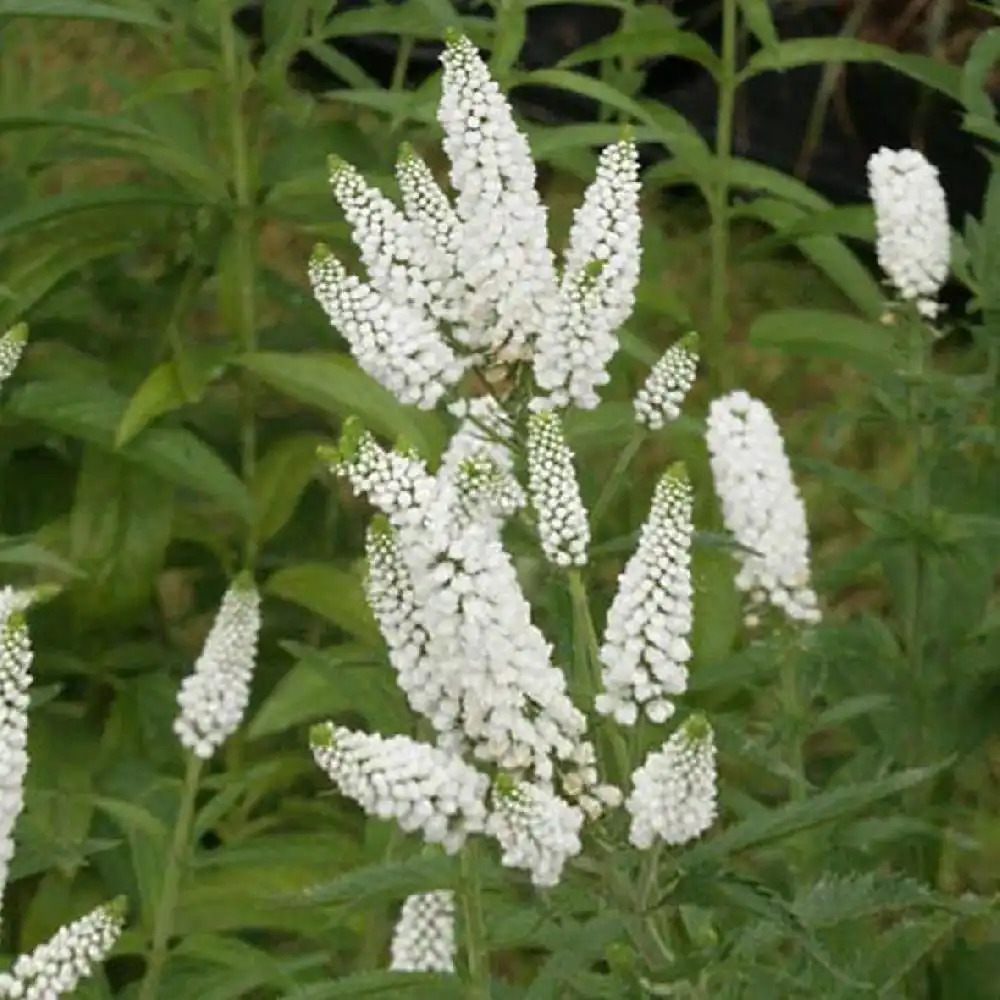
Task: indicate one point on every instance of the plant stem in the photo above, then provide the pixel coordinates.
(794, 715)
(718, 328)
(614, 482)
(474, 927)
(166, 907)
(244, 235)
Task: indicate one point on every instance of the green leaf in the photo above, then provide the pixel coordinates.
(335, 384)
(757, 15)
(140, 15)
(385, 984)
(981, 112)
(329, 592)
(93, 411)
(820, 333)
(172, 82)
(928, 70)
(282, 473)
(23, 551)
(326, 683)
(159, 393)
(777, 823)
(639, 43)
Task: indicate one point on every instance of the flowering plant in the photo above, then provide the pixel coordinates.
(465, 305)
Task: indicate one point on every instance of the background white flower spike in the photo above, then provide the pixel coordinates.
(55, 968)
(673, 796)
(660, 399)
(761, 506)
(913, 241)
(423, 939)
(419, 786)
(214, 696)
(12, 345)
(555, 492)
(645, 650)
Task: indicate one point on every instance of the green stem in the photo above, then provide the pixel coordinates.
(166, 907)
(587, 681)
(474, 927)
(718, 328)
(244, 234)
(794, 715)
(616, 480)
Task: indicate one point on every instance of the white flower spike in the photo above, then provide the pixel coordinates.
(555, 493)
(645, 651)
(55, 968)
(12, 345)
(761, 506)
(424, 937)
(659, 401)
(911, 220)
(214, 696)
(673, 796)
(419, 786)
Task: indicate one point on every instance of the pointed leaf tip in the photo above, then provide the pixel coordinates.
(351, 433)
(690, 342)
(328, 454)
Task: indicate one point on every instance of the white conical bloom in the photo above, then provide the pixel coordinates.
(645, 650)
(659, 401)
(55, 968)
(15, 680)
(397, 345)
(555, 493)
(504, 255)
(424, 937)
(419, 786)
(597, 291)
(536, 831)
(12, 345)
(913, 241)
(213, 698)
(673, 796)
(761, 505)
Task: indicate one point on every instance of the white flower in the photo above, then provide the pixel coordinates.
(15, 680)
(659, 401)
(55, 968)
(503, 248)
(911, 220)
(12, 345)
(597, 290)
(555, 493)
(213, 698)
(424, 936)
(419, 786)
(536, 830)
(761, 505)
(673, 796)
(645, 650)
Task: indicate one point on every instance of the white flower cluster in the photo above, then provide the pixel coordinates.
(911, 220)
(468, 654)
(555, 493)
(15, 680)
(56, 967)
(645, 650)
(597, 290)
(659, 401)
(761, 506)
(214, 696)
(424, 936)
(419, 786)
(12, 345)
(536, 830)
(673, 796)
(453, 286)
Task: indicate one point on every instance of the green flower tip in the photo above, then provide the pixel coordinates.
(697, 728)
(117, 908)
(328, 455)
(453, 37)
(404, 446)
(336, 165)
(45, 592)
(244, 581)
(17, 333)
(504, 786)
(15, 622)
(627, 133)
(406, 154)
(321, 254)
(593, 268)
(379, 527)
(321, 735)
(689, 342)
(678, 473)
(351, 433)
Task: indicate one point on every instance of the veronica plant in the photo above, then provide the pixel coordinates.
(464, 305)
